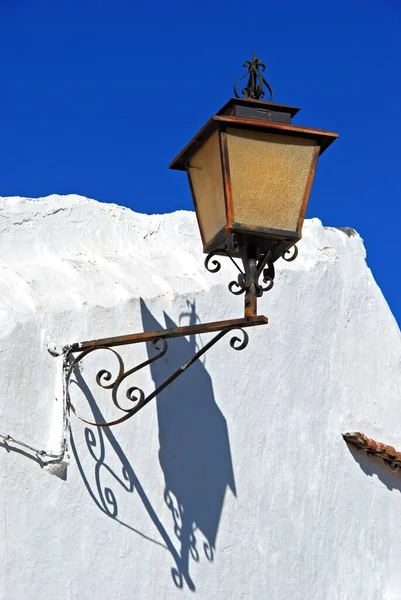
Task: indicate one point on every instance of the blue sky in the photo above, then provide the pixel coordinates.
(97, 96)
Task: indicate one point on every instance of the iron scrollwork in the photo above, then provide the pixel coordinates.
(292, 254)
(256, 81)
(133, 394)
(251, 272)
(252, 269)
(105, 380)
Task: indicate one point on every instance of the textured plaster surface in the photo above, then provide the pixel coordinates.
(236, 481)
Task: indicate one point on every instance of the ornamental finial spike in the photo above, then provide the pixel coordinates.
(256, 81)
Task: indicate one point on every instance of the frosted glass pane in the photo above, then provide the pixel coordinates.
(207, 182)
(269, 175)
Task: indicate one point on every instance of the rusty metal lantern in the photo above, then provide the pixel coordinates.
(250, 171)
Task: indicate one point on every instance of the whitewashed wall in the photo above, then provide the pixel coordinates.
(236, 482)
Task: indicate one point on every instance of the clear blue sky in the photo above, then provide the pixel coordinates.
(97, 96)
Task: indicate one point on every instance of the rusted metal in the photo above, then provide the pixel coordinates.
(158, 339)
(275, 241)
(148, 336)
(225, 165)
(258, 248)
(383, 451)
(255, 264)
(248, 282)
(256, 82)
(251, 301)
(267, 239)
(252, 114)
(308, 188)
(323, 138)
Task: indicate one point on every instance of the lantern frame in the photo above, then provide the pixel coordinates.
(247, 114)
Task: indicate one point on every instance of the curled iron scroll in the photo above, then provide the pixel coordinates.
(246, 276)
(135, 395)
(292, 252)
(256, 81)
(237, 343)
(236, 287)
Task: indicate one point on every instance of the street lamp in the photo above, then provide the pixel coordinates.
(250, 172)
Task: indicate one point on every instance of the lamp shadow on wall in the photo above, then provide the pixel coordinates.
(194, 455)
(194, 447)
(371, 465)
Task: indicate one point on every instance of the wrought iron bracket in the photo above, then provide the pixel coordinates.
(255, 265)
(74, 354)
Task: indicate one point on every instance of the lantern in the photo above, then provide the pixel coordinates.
(250, 171)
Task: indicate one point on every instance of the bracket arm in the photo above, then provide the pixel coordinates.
(76, 352)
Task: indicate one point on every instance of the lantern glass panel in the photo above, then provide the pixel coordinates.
(206, 176)
(269, 176)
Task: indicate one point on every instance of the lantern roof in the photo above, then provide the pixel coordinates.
(246, 113)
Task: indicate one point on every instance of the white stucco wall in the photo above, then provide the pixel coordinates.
(236, 482)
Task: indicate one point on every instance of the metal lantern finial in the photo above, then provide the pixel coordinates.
(256, 81)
